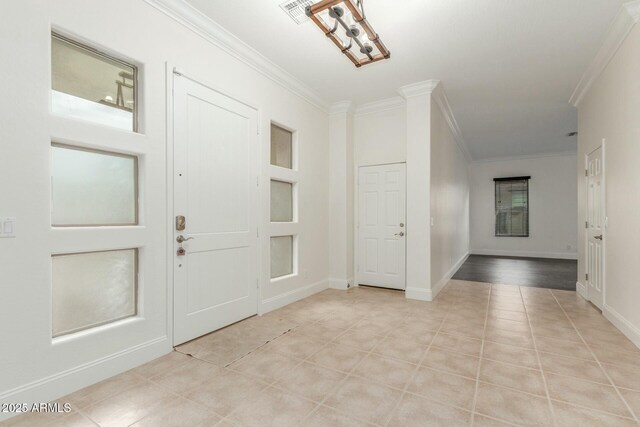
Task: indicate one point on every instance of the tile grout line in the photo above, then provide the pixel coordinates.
(484, 333)
(417, 368)
(535, 347)
(300, 362)
(635, 416)
(347, 374)
(599, 411)
(332, 341)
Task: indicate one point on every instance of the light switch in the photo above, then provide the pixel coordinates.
(7, 227)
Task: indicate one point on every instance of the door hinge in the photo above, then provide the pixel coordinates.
(586, 224)
(586, 172)
(586, 276)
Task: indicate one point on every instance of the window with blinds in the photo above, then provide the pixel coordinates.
(512, 206)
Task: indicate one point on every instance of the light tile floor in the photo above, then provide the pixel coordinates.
(481, 355)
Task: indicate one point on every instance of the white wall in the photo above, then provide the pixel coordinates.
(610, 112)
(341, 195)
(380, 137)
(553, 208)
(31, 367)
(449, 202)
(418, 234)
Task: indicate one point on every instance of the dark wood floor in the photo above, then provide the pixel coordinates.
(534, 272)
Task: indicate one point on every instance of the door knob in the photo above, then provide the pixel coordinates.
(400, 234)
(181, 238)
(598, 237)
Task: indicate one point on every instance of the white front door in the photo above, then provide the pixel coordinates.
(595, 227)
(215, 175)
(381, 226)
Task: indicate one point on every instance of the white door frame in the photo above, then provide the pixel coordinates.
(356, 220)
(171, 71)
(604, 225)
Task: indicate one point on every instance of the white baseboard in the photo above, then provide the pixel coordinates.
(60, 384)
(287, 298)
(442, 282)
(420, 294)
(339, 284)
(581, 290)
(626, 327)
(526, 254)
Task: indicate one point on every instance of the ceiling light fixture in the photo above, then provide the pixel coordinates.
(348, 18)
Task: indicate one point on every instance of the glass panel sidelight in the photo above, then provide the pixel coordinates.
(281, 201)
(281, 256)
(93, 289)
(92, 86)
(281, 147)
(91, 188)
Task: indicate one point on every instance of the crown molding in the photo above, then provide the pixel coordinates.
(380, 106)
(526, 157)
(341, 107)
(417, 89)
(440, 96)
(205, 27)
(627, 17)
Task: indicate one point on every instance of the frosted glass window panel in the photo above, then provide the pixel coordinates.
(92, 86)
(281, 256)
(91, 188)
(281, 147)
(93, 289)
(281, 201)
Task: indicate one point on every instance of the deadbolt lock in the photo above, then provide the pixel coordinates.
(181, 223)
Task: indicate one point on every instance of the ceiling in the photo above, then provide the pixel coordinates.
(509, 67)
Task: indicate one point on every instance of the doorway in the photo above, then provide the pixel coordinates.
(215, 207)
(382, 226)
(595, 227)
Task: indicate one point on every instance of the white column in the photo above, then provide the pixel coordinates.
(341, 194)
(418, 103)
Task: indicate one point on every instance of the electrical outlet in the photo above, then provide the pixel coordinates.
(7, 227)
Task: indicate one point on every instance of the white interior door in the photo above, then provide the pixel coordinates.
(215, 176)
(381, 226)
(595, 227)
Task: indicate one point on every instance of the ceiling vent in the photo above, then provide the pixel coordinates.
(296, 9)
